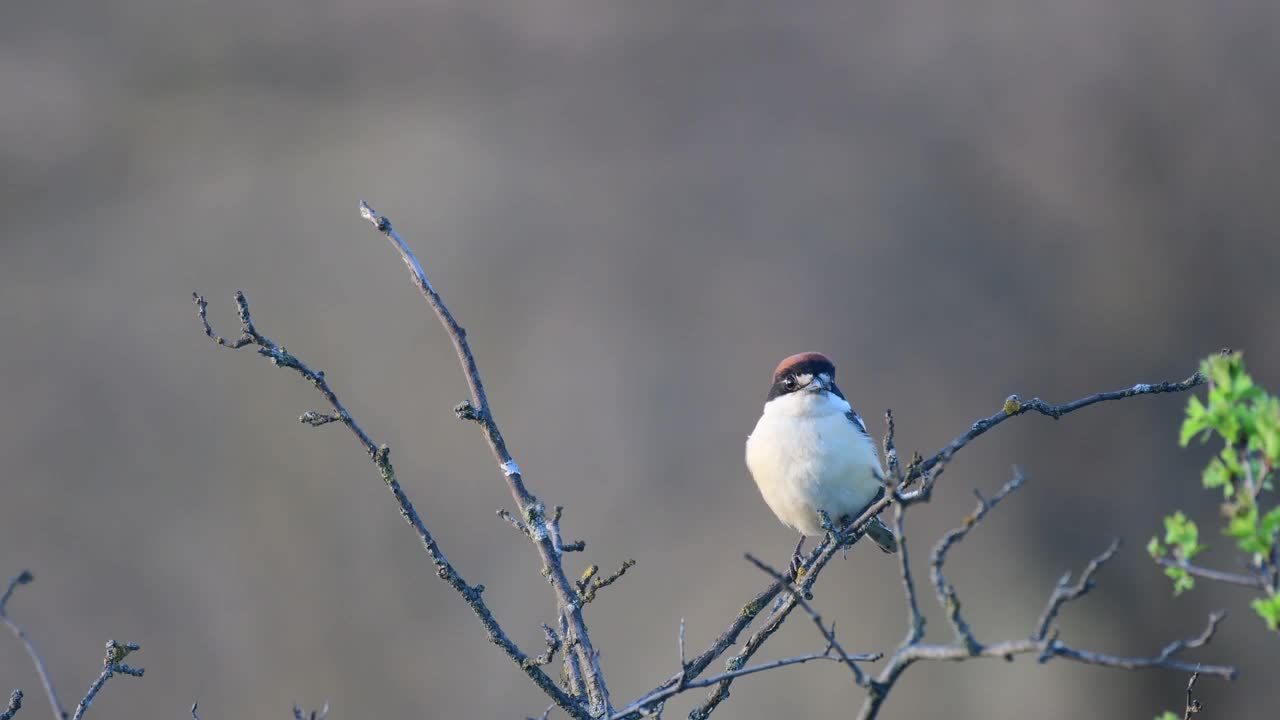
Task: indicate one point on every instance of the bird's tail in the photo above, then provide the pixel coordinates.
(882, 536)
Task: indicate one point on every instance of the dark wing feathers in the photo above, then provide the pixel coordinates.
(862, 428)
(857, 421)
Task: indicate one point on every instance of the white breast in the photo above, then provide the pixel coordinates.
(805, 456)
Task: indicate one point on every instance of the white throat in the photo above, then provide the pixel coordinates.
(807, 404)
(806, 455)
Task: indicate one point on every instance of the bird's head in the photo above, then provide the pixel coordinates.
(802, 374)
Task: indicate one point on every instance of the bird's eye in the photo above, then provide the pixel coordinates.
(789, 382)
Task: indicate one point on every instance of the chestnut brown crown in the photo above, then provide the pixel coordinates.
(805, 363)
(804, 371)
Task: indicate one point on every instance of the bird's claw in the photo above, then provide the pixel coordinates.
(797, 567)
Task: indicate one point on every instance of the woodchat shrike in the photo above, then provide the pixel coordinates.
(810, 452)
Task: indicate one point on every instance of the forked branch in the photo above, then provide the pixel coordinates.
(1042, 641)
(381, 458)
(534, 512)
(112, 665)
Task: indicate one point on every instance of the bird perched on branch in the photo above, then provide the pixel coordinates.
(810, 452)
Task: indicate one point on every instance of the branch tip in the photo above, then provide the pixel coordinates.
(589, 585)
(466, 411)
(15, 704)
(1193, 706)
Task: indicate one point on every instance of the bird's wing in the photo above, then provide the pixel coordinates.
(861, 427)
(857, 421)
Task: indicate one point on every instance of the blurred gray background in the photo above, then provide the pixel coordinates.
(636, 209)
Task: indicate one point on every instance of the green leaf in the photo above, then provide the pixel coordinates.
(1269, 610)
(1253, 545)
(1241, 383)
(1245, 528)
(1183, 535)
(1243, 520)
(1177, 528)
(1166, 715)
(1197, 420)
(1154, 548)
(1182, 580)
(1230, 462)
(1229, 427)
(1215, 475)
(1270, 525)
(1267, 426)
(1218, 369)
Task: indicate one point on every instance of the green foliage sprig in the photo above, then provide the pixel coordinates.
(1246, 419)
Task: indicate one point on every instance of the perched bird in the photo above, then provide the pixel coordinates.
(810, 451)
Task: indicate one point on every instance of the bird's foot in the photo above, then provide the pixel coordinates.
(796, 570)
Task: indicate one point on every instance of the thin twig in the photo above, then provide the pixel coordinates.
(859, 677)
(1065, 592)
(643, 706)
(194, 715)
(915, 618)
(46, 680)
(529, 506)
(1055, 648)
(113, 663)
(381, 457)
(553, 527)
(891, 452)
(1014, 406)
(1193, 706)
(947, 597)
(656, 706)
(589, 585)
(1250, 581)
(1164, 659)
(553, 644)
(684, 664)
(15, 704)
(513, 521)
(320, 714)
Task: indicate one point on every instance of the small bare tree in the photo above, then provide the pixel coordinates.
(582, 691)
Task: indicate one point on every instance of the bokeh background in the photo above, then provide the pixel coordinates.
(636, 209)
